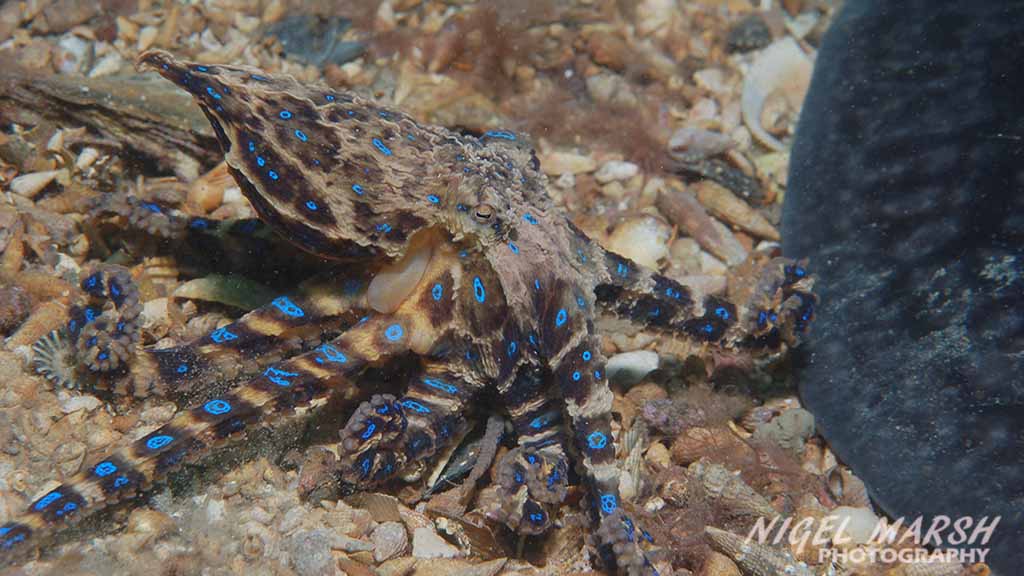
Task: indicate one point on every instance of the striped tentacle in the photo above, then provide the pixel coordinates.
(299, 382)
(251, 342)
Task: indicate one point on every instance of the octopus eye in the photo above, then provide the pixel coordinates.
(483, 212)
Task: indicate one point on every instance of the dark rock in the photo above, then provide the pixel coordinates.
(750, 33)
(315, 40)
(905, 192)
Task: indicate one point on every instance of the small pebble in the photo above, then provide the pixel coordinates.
(389, 540)
(558, 163)
(311, 553)
(631, 367)
(616, 170)
(427, 544)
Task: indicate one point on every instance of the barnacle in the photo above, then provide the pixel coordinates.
(53, 357)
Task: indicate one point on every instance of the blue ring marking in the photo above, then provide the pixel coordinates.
(182, 368)
(433, 199)
(536, 284)
(512, 246)
(121, 481)
(597, 440)
(370, 429)
(531, 458)
(278, 376)
(261, 161)
(529, 218)
(394, 332)
(799, 271)
(410, 137)
(350, 112)
(437, 291)
(467, 170)
(708, 328)
(537, 518)
(762, 319)
(561, 317)
(539, 422)
(440, 385)
(199, 224)
(512, 347)
(383, 409)
(380, 146)
(332, 354)
(202, 68)
(212, 92)
(151, 207)
(463, 253)
(312, 205)
(583, 257)
(722, 312)
(532, 338)
(67, 509)
(415, 406)
(91, 341)
(329, 97)
(609, 503)
(273, 175)
(597, 374)
(500, 134)
(102, 356)
(90, 315)
(587, 356)
(301, 135)
(158, 442)
(655, 313)
(285, 115)
(105, 468)
(284, 304)
(222, 335)
(622, 270)
(518, 477)
(576, 376)
(91, 281)
(47, 500)
(384, 227)
(252, 146)
(478, 290)
(357, 189)
(581, 302)
(217, 407)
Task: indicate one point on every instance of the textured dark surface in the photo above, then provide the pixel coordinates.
(906, 193)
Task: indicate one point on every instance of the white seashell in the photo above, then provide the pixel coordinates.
(29, 185)
(781, 67)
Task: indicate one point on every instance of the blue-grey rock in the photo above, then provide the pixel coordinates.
(906, 191)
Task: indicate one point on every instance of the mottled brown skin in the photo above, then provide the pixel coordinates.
(508, 300)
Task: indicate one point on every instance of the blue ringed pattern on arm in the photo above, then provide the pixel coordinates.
(394, 332)
(357, 189)
(478, 290)
(437, 291)
(285, 114)
(158, 442)
(217, 407)
(284, 304)
(301, 135)
(105, 468)
(561, 317)
(380, 146)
